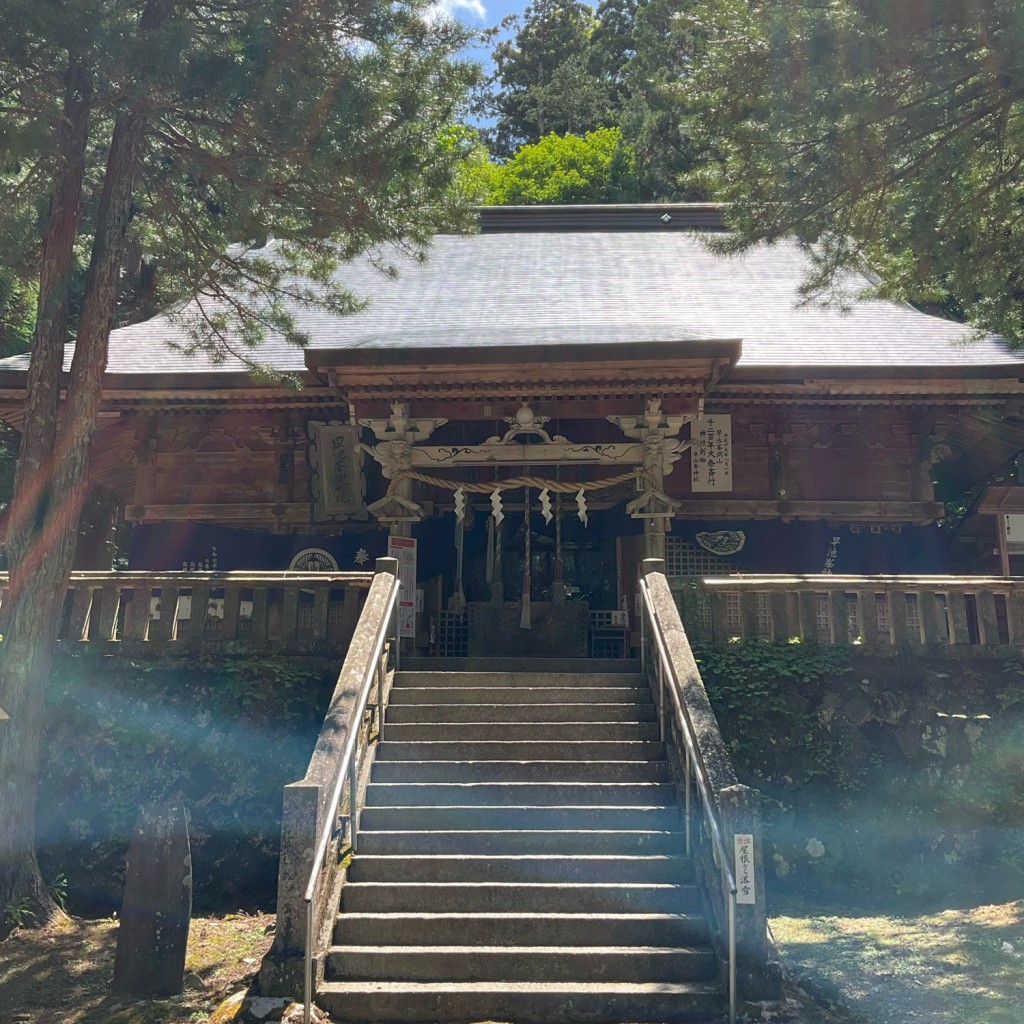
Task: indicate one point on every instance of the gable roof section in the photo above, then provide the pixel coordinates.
(515, 286)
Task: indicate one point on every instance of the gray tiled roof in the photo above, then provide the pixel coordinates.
(564, 288)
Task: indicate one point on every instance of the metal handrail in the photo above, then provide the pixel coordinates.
(694, 769)
(348, 770)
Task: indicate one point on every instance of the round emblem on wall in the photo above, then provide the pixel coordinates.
(314, 560)
(724, 542)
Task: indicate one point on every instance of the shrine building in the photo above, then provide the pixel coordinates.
(537, 407)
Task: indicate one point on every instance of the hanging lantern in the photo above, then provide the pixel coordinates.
(545, 505)
(581, 504)
(460, 505)
(496, 509)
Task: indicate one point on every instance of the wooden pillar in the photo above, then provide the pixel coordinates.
(321, 614)
(957, 607)
(1015, 615)
(808, 606)
(988, 624)
(785, 615)
(81, 606)
(748, 613)
(163, 628)
(1004, 544)
(290, 614)
(868, 614)
(136, 620)
(933, 621)
(200, 607)
(719, 615)
(260, 611)
(232, 609)
(110, 599)
(898, 617)
(840, 617)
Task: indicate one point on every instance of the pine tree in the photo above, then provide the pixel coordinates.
(545, 80)
(162, 140)
(891, 136)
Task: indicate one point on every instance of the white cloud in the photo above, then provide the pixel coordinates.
(457, 8)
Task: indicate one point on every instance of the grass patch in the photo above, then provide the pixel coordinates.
(949, 967)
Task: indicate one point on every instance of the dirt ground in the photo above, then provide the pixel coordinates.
(950, 967)
(61, 975)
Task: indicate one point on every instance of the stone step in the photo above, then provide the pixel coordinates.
(523, 1002)
(519, 815)
(464, 732)
(511, 841)
(577, 667)
(452, 694)
(539, 929)
(521, 771)
(548, 897)
(523, 750)
(521, 963)
(519, 794)
(519, 868)
(597, 712)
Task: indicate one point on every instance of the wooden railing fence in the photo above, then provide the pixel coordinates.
(158, 611)
(878, 612)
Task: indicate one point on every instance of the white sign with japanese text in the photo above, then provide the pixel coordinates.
(745, 892)
(404, 549)
(711, 454)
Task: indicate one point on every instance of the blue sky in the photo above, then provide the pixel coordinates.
(482, 13)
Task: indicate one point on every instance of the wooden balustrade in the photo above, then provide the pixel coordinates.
(292, 611)
(877, 612)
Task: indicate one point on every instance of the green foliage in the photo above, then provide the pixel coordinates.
(889, 137)
(751, 680)
(568, 70)
(18, 913)
(653, 113)
(544, 78)
(224, 736)
(59, 889)
(321, 127)
(597, 168)
(17, 314)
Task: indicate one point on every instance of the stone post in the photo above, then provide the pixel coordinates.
(757, 976)
(157, 907)
(282, 970)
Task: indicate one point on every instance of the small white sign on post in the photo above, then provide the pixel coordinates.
(745, 892)
(404, 549)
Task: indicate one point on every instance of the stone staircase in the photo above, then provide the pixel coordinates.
(519, 859)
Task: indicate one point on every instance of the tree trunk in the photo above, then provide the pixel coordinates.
(27, 651)
(39, 577)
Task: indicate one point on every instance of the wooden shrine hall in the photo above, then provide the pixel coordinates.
(537, 407)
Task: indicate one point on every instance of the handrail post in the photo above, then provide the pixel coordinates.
(689, 800)
(353, 799)
(732, 958)
(394, 641)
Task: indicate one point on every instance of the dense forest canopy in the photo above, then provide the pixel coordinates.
(570, 70)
